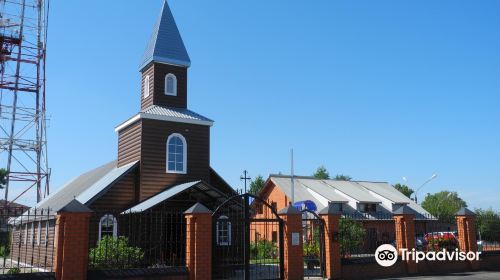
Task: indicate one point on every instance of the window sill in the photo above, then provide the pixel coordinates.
(176, 172)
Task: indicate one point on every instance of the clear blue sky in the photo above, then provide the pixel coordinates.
(373, 89)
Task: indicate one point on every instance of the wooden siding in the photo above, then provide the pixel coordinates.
(146, 102)
(129, 144)
(31, 253)
(154, 177)
(157, 73)
(122, 195)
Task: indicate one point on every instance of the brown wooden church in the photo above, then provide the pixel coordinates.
(163, 152)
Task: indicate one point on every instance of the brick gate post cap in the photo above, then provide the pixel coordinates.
(330, 210)
(465, 212)
(404, 210)
(74, 206)
(198, 208)
(289, 210)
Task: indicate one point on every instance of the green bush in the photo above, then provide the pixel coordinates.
(14, 270)
(112, 252)
(263, 249)
(311, 249)
(352, 235)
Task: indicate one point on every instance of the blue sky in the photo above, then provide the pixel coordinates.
(373, 89)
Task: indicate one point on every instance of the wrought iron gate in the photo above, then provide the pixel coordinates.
(247, 240)
(314, 240)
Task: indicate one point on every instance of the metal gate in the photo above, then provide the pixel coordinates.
(247, 240)
(314, 240)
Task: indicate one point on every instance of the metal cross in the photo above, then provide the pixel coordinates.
(245, 178)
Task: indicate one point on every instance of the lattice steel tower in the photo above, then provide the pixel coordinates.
(23, 139)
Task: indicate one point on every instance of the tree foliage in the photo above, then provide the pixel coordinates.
(488, 224)
(3, 178)
(352, 235)
(321, 173)
(404, 189)
(443, 205)
(256, 185)
(342, 177)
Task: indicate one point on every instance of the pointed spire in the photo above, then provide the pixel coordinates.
(166, 45)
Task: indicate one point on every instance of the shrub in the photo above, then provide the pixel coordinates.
(440, 241)
(263, 249)
(14, 270)
(112, 252)
(311, 249)
(352, 235)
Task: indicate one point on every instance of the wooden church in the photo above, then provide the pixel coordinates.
(163, 152)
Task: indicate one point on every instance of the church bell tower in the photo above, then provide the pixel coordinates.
(171, 142)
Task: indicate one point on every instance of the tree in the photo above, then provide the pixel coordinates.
(342, 177)
(321, 173)
(404, 189)
(256, 185)
(488, 224)
(352, 235)
(3, 178)
(443, 205)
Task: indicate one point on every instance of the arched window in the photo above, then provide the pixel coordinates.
(108, 226)
(170, 84)
(146, 86)
(223, 231)
(176, 154)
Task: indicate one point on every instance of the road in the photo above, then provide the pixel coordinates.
(481, 275)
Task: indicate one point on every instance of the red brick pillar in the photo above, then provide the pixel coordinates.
(292, 240)
(404, 219)
(466, 228)
(72, 241)
(199, 242)
(331, 219)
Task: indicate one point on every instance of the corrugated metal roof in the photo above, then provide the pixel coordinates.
(387, 191)
(180, 113)
(166, 45)
(353, 190)
(300, 194)
(152, 201)
(83, 188)
(323, 189)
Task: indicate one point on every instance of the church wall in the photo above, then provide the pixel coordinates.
(129, 144)
(157, 73)
(154, 177)
(121, 195)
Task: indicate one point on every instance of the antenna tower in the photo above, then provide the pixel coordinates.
(23, 138)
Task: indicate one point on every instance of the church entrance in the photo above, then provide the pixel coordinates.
(247, 240)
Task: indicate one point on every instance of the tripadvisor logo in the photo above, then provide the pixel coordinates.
(386, 255)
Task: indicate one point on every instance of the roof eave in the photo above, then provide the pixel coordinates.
(164, 60)
(140, 116)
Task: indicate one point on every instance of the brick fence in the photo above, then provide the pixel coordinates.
(72, 233)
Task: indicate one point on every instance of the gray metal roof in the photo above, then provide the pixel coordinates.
(180, 113)
(301, 193)
(166, 194)
(387, 191)
(352, 189)
(323, 189)
(83, 188)
(166, 45)
(161, 113)
(199, 190)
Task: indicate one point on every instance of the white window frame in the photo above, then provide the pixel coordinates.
(146, 86)
(174, 78)
(25, 237)
(32, 233)
(46, 236)
(219, 229)
(39, 233)
(115, 225)
(184, 154)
